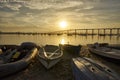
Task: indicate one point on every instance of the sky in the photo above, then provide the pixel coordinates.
(45, 15)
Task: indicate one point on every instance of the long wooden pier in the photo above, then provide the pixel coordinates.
(96, 31)
(82, 32)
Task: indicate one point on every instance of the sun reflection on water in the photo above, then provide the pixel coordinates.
(62, 41)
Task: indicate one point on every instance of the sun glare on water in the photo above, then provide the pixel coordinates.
(62, 41)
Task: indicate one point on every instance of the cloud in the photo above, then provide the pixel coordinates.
(14, 6)
(47, 13)
(52, 4)
(88, 7)
(7, 14)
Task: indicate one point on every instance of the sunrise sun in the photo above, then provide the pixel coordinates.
(63, 24)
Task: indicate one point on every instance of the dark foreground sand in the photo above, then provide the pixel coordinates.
(61, 71)
(36, 71)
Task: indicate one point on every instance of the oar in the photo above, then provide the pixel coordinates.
(44, 52)
(53, 53)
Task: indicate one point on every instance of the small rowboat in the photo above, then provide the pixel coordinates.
(71, 49)
(49, 55)
(106, 52)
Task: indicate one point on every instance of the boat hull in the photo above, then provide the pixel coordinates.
(48, 63)
(87, 69)
(71, 49)
(16, 66)
(106, 55)
(115, 46)
(114, 60)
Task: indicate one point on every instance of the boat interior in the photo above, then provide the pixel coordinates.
(12, 53)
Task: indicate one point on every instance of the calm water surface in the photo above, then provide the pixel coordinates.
(54, 39)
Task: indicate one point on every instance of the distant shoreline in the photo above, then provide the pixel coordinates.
(49, 33)
(20, 33)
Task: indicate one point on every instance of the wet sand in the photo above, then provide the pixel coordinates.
(61, 71)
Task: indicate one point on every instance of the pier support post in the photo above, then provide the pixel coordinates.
(110, 32)
(118, 31)
(98, 31)
(75, 31)
(86, 32)
(104, 31)
(92, 31)
(67, 31)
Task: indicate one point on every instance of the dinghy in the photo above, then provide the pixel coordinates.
(15, 58)
(49, 55)
(87, 69)
(115, 46)
(72, 49)
(106, 52)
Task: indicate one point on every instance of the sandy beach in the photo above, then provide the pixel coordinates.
(61, 71)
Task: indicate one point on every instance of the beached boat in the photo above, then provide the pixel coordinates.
(14, 58)
(49, 55)
(72, 49)
(115, 46)
(106, 52)
(87, 69)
